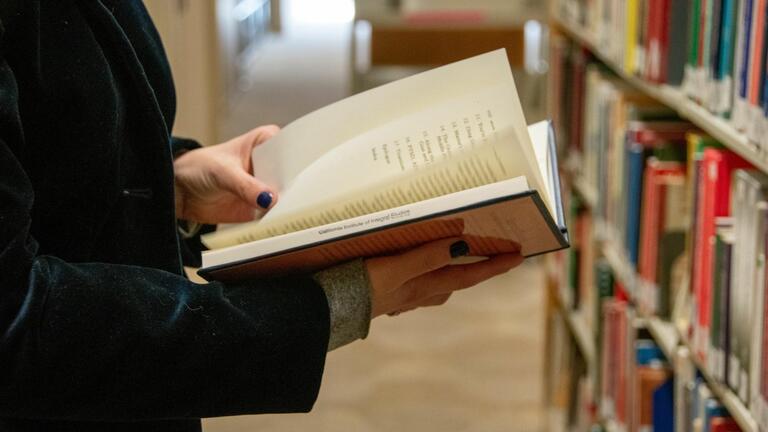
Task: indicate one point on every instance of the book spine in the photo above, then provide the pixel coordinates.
(757, 72)
(677, 44)
(714, 334)
(694, 29)
(703, 58)
(724, 92)
(630, 59)
(759, 212)
(725, 316)
(712, 65)
(762, 400)
(636, 157)
(744, 65)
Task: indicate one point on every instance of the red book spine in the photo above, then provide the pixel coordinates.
(724, 424)
(755, 79)
(664, 40)
(623, 388)
(652, 40)
(717, 167)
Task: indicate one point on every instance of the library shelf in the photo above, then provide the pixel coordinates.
(730, 400)
(577, 326)
(571, 168)
(580, 331)
(610, 425)
(587, 192)
(665, 334)
(621, 267)
(715, 126)
(668, 337)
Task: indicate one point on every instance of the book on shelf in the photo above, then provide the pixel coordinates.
(760, 405)
(721, 288)
(749, 189)
(713, 200)
(662, 232)
(685, 374)
(604, 286)
(724, 424)
(653, 391)
(699, 409)
(661, 140)
(742, 62)
(577, 215)
(757, 348)
(587, 252)
(443, 153)
(663, 403)
(714, 51)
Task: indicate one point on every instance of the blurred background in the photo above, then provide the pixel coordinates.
(472, 365)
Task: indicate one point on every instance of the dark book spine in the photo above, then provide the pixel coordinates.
(678, 33)
(714, 39)
(746, 48)
(725, 308)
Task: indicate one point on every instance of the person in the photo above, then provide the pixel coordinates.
(99, 328)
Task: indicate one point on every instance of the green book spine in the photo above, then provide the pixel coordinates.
(693, 35)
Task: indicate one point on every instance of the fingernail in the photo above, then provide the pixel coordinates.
(264, 199)
(460, 248)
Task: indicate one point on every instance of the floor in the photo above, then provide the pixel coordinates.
(474, 364)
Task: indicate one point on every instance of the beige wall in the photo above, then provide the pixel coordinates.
(188, 29)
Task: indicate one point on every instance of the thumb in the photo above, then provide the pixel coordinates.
(262, 134)
(249, 189)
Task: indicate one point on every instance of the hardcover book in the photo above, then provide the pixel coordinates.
(749, 189)
(439, 154)
(713, 201)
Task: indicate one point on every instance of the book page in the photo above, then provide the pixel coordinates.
(449, 129)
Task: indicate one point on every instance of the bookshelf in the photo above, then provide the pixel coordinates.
(673, 98)
(666, 334)
(580, 330)
(668, 338)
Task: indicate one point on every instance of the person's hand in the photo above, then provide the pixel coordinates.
(422, 276)
(216, 184)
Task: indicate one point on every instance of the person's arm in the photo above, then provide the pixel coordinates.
(113, 342)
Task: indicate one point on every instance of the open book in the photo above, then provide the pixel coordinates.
(442, 153)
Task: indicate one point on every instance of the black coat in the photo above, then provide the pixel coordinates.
(97, 323)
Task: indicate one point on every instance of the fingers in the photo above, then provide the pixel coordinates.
(426, 258)
(452, 278)
(435, 288)
(437, 300)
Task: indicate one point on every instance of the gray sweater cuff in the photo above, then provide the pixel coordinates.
(349, 299)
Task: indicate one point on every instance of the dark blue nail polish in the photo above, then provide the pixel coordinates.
(460, 248)
(264, 199)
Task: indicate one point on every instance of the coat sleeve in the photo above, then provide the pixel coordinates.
(113, 342)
